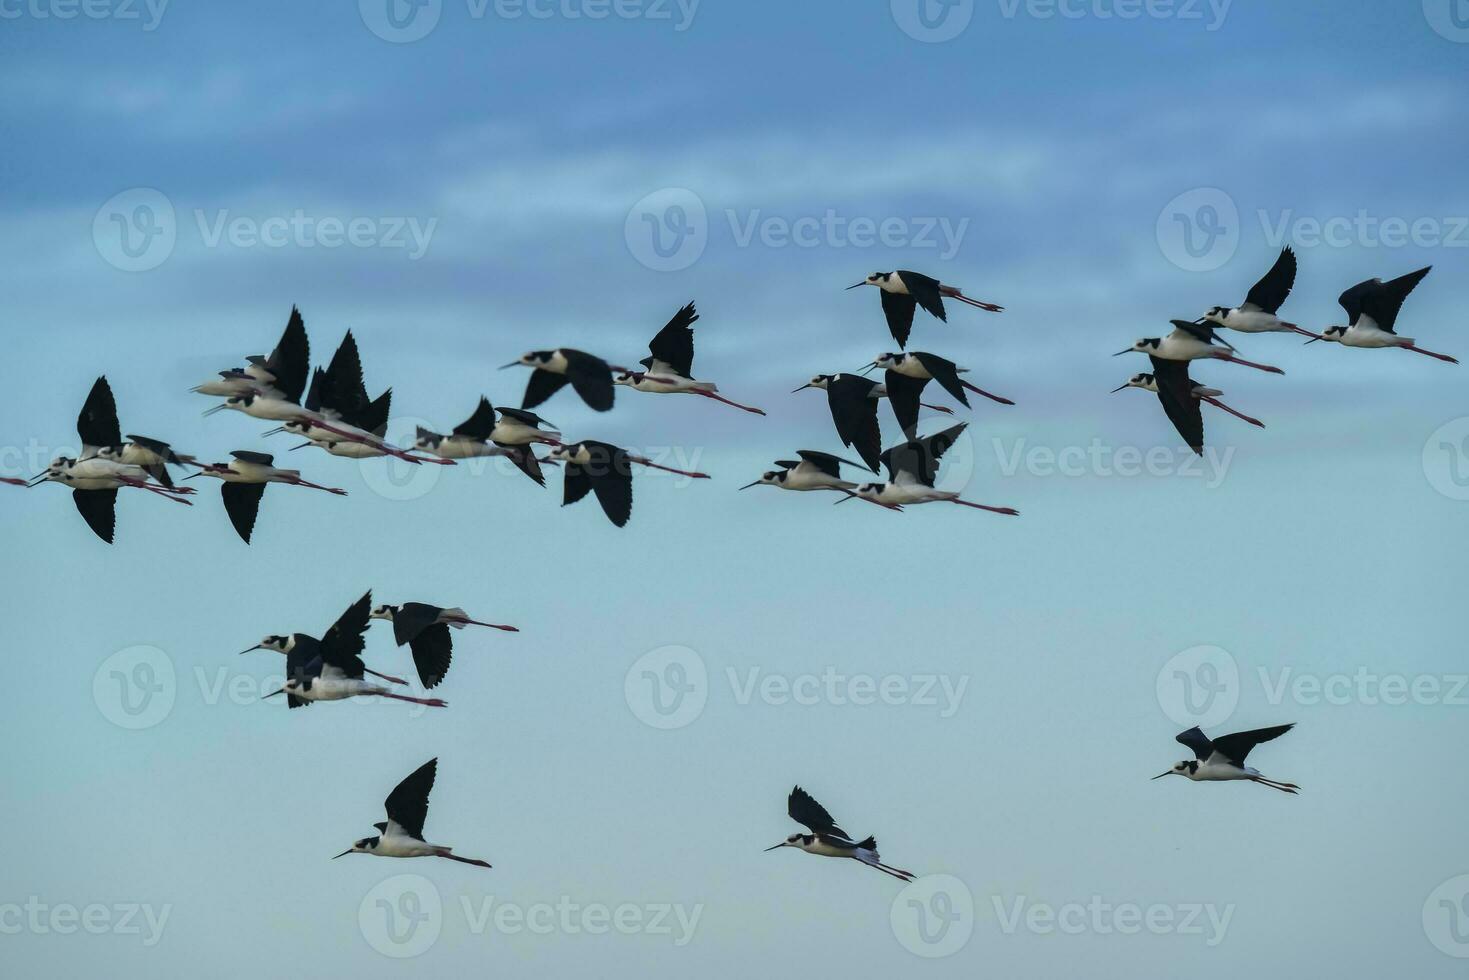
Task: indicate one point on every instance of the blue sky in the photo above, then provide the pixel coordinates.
(1051, 162)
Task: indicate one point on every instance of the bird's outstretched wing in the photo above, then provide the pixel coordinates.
(945, 372)
(1200, 331)
(925, 289)
(1197, 742)
(1383, 303)
(290, 362)
(904, 394)
(1176, 393)
(246, 456)
(611, 476)
(674, 344)
(481, 423)
(524, 458)
(1237, 746)
(812, 815)
(413, 618)
(855, 415)
(407, 804)
(344, 390)
(99, 509)
(591, 378)
(432, 650)
(898, 309)
(576, 484)
(97, 422)
(242, 503)
(920, 457)
(341, 647)
(1268, 295)
(541, 386)
(825, 462)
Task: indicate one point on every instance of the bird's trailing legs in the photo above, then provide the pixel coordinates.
(744, 408)
(953, 292)
(475, 622)
(298, 482)
(1258, 367)
(175, 493)
(1008, 511)
(981, 391)
(1442, 357)
(1290, 788)
(898, 873)
(667, 469)
(444, 852)
(854, 496)
(1225, 408)
(430, 702)
(387, 677)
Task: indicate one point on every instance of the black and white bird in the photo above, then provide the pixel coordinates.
(853, 403)
(551, 370)
(1259, 312)
(94, 484)
(303, 648)
(101, 437)
(903, 292)
(906, 375)
(1180, 396)
(1191, 341)
(401, 835)
(912, 468)
(244, 479)
(813, 471)
(826, 839)
(1224, 757)
(670, 364)
(1372, 313)
(605, 470)
(332, 669)
(425, 629)
(477, 436)
(285, 370)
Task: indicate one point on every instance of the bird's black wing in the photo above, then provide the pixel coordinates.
(373, 417)
(303, 660)
(245, 456)
(520, 415)
(812, 815)
(407, 804)
(904, 393)
(524, 458)
(1199, 331)
(925, 289)
(316, 393)
(413, 618)
(341, 647)
(855, 415)
(1382, 304)
(674, 344)
(591, 378)
(541, 386)
(1176, 393)
(611, 476)
(1351, 300)
(97, 422)
(899, 308)
(920, 457)
(481, 423)
(345, 390)
(1237, 746)
(576, 486)
(432, 651)
(1197, 742)
(290, 362)
(825, 462)
(242, 503)
(945, 372)
(1269, 294)
(99, 509)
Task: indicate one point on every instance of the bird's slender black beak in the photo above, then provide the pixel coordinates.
(274, 693)
(849, 496)
(1117, 389)
(343, 854)
(1161, 775)
(255, 647)
(864, 370)
(279, 428)
(210, 411)
(1313, 340)
(510, 365)
(856, 284)
(802, 388)
(37, 481)
(749, 485)
(783, 843)
(1121, 352)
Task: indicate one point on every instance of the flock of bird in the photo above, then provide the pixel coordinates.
(330, 409)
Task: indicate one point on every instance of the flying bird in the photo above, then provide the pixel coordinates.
(853, 403)
(94, 484)
(1372, 311)
(1180, 397)
(401, 835)
(912, 468)
(826, 839)
(1191, 341)
(670, 364)
(1258, 313)
(813, 471)
(606, 470)
(102, 438)
(283, 372)
(903, 292)
(477, 436)
(906, 375)
(425, 629)
(1224, 757)
(302, 648)
(551, 370)
(244, 479)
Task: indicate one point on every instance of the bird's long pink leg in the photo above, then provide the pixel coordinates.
(1011, 511)
(981, 391)
(13, 481)
(1290, 788)
(493, 626)
(1239, 415)
(454, 857)
(431, 702)
(378, 444)
(668, 469)
(854, 496)
(386, 677)
(1239, 360)
(1441, 357)
(316, 486)
(163, 492)
(954, 293)
(898, 873)
(743, 408)
(1300, 330)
